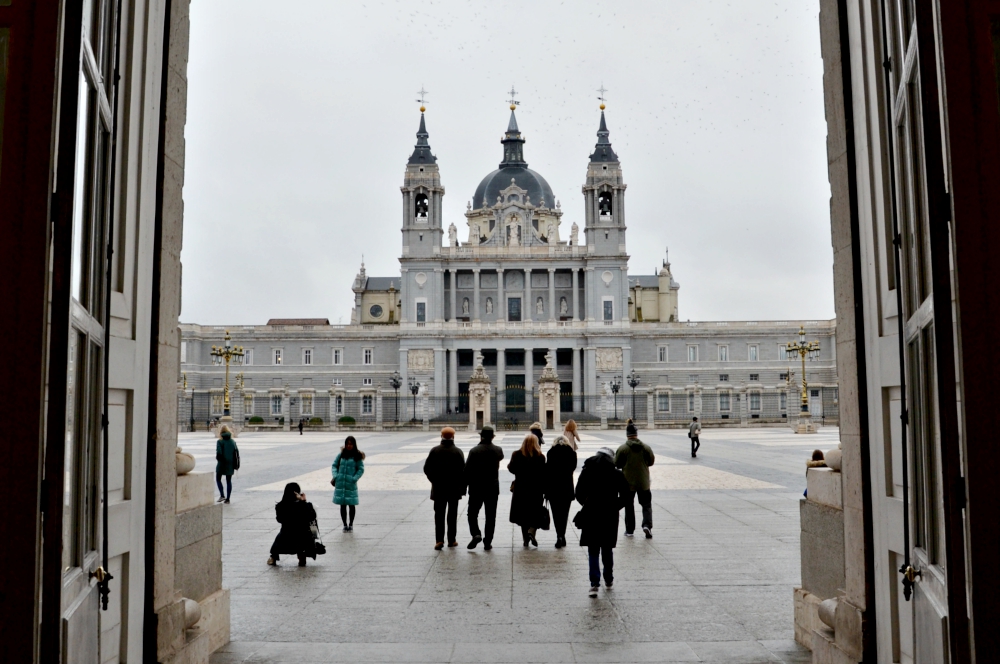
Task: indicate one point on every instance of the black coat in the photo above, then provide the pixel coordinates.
(295, 536)
(445, 468)
(482, 470)
(603, 491)
(539, 435)
(559, 473)
(529, 490)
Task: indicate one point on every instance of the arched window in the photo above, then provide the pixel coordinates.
(422, 205)
(604, 203)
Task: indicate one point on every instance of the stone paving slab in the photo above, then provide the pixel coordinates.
(714, 585)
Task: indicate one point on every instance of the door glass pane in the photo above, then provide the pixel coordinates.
(75, 423)
(609, 310)
(421, 312)
(514, 309)
(81, 196)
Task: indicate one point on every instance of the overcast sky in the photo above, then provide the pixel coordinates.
(301, 116)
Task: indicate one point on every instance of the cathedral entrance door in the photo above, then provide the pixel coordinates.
(515, 393)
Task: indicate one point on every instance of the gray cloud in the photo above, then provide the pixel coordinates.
(301, 117)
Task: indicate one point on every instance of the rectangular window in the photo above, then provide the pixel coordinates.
(248, 405)
(783, 400)
(367, 404)
(421, 312)
(690, 402)
(609, 309)
(723, 353)
(307, 356)
(782, 352)
(723, 378)
(754, 398)
(276, 404)
(754, 377)
(338, 381)
(724, 400)
(752, 353)
(366, 381)
(368, 356)
(338, 405)
(514, 309)
(277, 356)
(307, 405)
(338, 356)
(692, 353)
(663, 402)
(661, 354)
(217, 403)
(783, 376)
(248, 356)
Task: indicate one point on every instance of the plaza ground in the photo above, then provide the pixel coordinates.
(714, 585)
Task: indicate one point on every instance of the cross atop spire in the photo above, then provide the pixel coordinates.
(513, 98)
(603, 96)
(422, 101)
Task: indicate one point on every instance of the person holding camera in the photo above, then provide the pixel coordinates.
(296, 517)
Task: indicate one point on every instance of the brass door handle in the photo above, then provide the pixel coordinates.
(911, 574)
(99, 574)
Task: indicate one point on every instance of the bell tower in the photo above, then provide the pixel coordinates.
(604, 194)
(422, 193)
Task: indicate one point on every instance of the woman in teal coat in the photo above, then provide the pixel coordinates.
(227, 462)
(348, 468)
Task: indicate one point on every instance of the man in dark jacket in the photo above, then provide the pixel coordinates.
(445, 468)
(634, 458)
(482, 477)
(602, 490)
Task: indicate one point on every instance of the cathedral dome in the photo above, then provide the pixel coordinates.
(513, 167)
(525, 178)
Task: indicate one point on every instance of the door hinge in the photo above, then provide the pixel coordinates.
(43, 499)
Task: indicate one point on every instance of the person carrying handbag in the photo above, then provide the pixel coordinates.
(227, 462)
(526, 506)
(347, 468)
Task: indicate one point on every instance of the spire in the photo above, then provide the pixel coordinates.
(513, 144)
(422, 150)
(512, 125)
(603, 150)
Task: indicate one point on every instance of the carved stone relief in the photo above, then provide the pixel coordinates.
(420, 360)
(608, 359)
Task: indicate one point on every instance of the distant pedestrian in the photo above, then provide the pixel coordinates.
(536, 429)
(694, 433)
(602, 490)
(559, 469)
(227, 462)
(571, 434)
(296, 517)
(634, 458)
(482, 471)
(445, 468)
(347, 469)
(526, 509)
(302, 425)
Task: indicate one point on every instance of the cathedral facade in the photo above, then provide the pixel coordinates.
(520, 291)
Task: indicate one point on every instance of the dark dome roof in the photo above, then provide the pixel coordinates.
(525, 178)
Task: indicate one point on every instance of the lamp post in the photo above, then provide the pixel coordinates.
(615, 385)
(224, 355)
(414, 388)
(803, 348)
(396, 381)
(633, 382)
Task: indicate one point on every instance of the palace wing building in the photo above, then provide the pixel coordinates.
(522, 288)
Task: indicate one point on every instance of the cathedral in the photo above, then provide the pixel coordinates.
(518, 291)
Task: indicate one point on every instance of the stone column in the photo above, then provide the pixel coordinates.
(475, 294)
(527, 305)
(529, 379)
(404, 291)
(453, 379)
(650, 406)
(576, 294)
(454, 294)
(576, 374)
(286, 409)
(404, 376)
(501, 308)
(501, 379)
(440, 384)
(552, 294)
(623, 298)
(378, 408)
(588, 290)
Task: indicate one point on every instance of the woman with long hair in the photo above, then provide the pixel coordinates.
(572, 437)
(526, 509)
(348, 468)
(295, 516)
(559, 468)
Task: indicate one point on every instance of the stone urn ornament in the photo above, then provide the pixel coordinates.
(185, 462)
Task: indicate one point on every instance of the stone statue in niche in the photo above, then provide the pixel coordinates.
(563, 307)
(452, 236)
(465, 306)
(574, 235)
(539, 306)
(550, 233)
(489, 305)
(515, 232)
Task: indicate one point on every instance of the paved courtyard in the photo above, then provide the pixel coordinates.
(714, 585)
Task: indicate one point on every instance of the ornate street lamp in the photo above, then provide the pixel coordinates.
(414, 388)
(803, 348)
(615, 385)
(633, 382)
(224, 355)
(396, 381)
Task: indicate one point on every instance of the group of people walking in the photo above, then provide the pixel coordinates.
(609, 481)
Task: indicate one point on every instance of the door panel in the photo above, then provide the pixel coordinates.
(80, 628)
